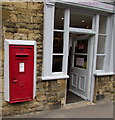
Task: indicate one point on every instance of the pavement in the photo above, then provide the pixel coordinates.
(104, 110)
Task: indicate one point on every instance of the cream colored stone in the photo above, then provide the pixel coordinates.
(37, 19)
(13, 18)
(9, 35)
(19, 36)
(35, 6)
(24, 18)
(39, 50)
(20, 5)
(23, 30)
(31, 36)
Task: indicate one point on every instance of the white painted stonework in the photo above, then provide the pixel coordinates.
(91, 3)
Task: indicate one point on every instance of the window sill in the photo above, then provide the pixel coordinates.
(54, 77)
(104, 74)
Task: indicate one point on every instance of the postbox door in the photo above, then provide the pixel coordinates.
(21, 73)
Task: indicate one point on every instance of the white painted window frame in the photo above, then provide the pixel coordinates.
(47, 73)
(107, 63)
(48, 40)
(48, 37)
(8, 42)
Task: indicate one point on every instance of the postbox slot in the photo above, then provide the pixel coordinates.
(22, 55)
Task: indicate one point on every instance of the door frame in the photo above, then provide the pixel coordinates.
(94, 32)
(90, 65)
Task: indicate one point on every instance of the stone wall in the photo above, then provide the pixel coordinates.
(24, 21)
(104, 89)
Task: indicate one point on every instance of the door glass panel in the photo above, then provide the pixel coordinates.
(100, 61)
(102, 24)
(57, 63)
(81, 46)
(81, 21)
(101, 45)
(59, 19)
(80, 61)
(58, 42)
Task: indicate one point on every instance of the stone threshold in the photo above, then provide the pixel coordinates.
(77, 105)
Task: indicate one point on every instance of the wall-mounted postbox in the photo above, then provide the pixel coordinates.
(20, 70)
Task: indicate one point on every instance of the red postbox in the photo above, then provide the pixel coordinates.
(21, 73)
(20, 70)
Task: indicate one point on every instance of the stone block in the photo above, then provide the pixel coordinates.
(19, 36)
(31, 36)
(22, 25)
(39, 56)
(13, 18)
(9, 35)
(40, 43)
(19, 5)
(24, 18)
(12, 30)
(34, 6)
(37, 19)
(39, 50)
(5, 15)
(33, 27)
(37, 31)
(23, 30)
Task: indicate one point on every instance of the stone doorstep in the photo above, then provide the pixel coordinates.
(77, 105)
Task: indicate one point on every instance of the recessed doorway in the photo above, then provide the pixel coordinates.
(79, 64)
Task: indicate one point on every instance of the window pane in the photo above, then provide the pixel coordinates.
(58, 42)
(59, 19)
(102, 24)
(81, 46)
(81, 21)
(80, 61)
(100, 61)
(57, 63)
(101, 45)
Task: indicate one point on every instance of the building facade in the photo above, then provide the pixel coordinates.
(73, 53)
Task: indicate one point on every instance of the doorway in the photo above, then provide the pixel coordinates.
(79, 64)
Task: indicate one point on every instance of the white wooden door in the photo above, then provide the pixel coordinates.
(79, 73)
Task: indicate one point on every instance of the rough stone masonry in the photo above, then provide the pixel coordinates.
(24, 21)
